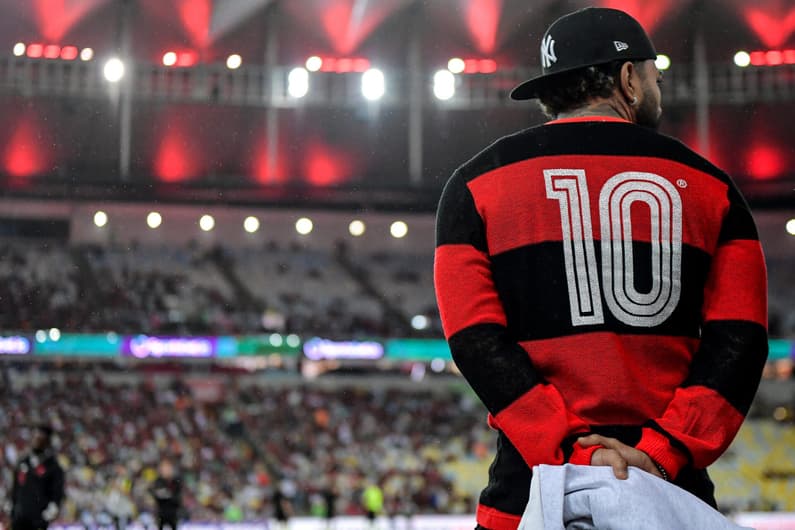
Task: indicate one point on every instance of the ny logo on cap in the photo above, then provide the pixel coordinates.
(620, 46)
(548, 52)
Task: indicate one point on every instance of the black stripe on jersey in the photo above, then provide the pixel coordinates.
(537, 273)
(458, 221)
(508, 489)
(586, 138)
(497, 369)
(729, 360)
(738, 224)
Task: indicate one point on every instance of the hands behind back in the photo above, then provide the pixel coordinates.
(617, 455)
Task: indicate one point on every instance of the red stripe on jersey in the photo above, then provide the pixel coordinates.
(512, 200)
(463, 274)
(494, 519)
(537, 422)
(659, 448)
(737, 285)
(711, 423)
(583, 366)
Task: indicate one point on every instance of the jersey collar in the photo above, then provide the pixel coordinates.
(586, 118)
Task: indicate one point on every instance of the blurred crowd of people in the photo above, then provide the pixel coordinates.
(193, 290)
(234, 455)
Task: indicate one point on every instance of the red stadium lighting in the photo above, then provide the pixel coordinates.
(361, 65)
(339, 65)
(344, 65)
(329, 64)
(487, 66)
(52, 51)
(69, 53)
(35, 51)
(758, 58)
(774, 58)
(185, 59)
(478, 66)
(471, 66)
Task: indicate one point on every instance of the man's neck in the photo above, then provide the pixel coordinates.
(606, 108)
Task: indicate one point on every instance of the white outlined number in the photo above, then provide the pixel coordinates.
(569, 188)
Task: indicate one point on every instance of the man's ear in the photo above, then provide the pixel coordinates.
(629, 82)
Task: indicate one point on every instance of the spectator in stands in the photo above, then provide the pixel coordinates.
(38, 484)
(167, 492)
(283, 496)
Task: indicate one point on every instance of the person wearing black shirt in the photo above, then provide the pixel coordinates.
(167, 492)
(38, 488)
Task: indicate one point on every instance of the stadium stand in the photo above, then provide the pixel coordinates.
(114, 427)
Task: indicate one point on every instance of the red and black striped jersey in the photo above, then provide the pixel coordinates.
(595, 276)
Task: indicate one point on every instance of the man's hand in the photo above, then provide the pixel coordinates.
(50, 512)
(617, 455)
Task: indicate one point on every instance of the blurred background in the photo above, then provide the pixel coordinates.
(217, 240)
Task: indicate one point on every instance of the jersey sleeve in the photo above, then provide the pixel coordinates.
(530, 411)
(710, 405)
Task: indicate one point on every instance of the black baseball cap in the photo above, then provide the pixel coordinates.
(588, 37)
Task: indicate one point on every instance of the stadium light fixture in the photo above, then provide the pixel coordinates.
(86, 54)
(443, 85)
(456, 65)
(790, 226)
(55, 334)
(154, 220)
(742, 59)
(169, 59)
(34, 51)
(373, 86)
(234, 61)
(100, 219)
(304, 226)
(356, 228)
(437, 365)
(69, 53)
(663, 62)
(251, 224)
(52, 51)
(419, 322)
(19, 49)
(314, 63)
(41, 336)
(399, 229)
(298, 83)
(207, 222)
(293, 340)
(113, 70)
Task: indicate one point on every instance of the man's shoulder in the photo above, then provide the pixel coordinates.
(503, 151)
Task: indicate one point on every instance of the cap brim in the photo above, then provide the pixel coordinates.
(528, 89)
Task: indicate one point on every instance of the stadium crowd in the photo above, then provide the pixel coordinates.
(192, 290)
(234, 452)
(289, 289)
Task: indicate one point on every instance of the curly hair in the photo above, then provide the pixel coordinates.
(571, 90)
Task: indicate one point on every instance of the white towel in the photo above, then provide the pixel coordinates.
(573, 497)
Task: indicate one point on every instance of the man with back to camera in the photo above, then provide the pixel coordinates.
(38, 489)
(601, 286)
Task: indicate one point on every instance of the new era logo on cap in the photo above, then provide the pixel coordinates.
(548, 52)
(620, 46)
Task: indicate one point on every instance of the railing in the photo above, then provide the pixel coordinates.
(264, 87)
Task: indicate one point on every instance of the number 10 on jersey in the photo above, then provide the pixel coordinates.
(640, 309)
